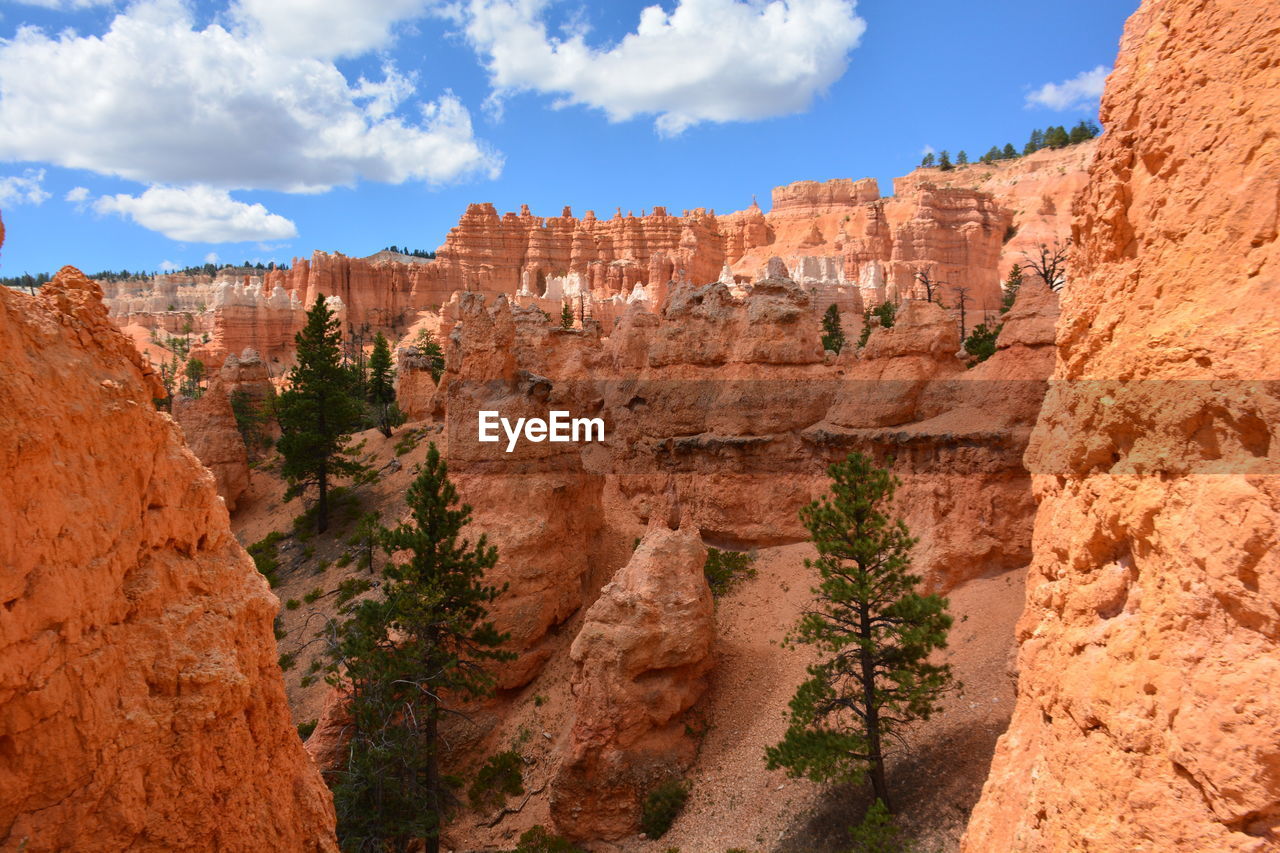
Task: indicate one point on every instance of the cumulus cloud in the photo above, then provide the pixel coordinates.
(76, 195)
(327, 29)
(167, 266)
(157, 101)
(211, 258)
(26, 188)
(1081, 90)
(199, 214)
(706, 60)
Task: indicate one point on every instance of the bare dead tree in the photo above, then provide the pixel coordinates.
(962, 298)
(925, 278)
(1050, 263)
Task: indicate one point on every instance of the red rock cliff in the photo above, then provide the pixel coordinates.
(141, 706)
(1147, 714)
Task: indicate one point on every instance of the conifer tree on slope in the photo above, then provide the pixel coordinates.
(874, 633)
(832, 331)
(382, 394)
(318, 413)
(402, 655)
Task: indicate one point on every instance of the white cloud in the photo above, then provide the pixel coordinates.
(707, 60)
(198, 214)
(211, 258)
(167, 266)
(1079, 91)
(156, 101)
(64, 5)
(323, 30)
(927, 150)
(26, 188)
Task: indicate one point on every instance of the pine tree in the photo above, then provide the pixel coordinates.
(1080, 133)
(382, 394)
(318, 413)
(874, 633)
(1035, 143)
(981, 345)
(1011, 285)
(566, 315)
(944, 162)
(402, 656)
(432, 352)
(832, 332)
(1009, 152)
(928, 161)
(1056, 137)
(962, 159)
(992, 155)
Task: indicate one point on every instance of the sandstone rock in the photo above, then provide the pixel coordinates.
(209, 425)
(641, 661)
(141, 705)
(1144, 718)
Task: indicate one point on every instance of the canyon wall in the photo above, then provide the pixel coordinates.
(141, 704)
(1147, 716)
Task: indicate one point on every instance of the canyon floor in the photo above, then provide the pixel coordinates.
(735, 802)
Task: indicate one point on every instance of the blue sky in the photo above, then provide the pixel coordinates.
(135, 134)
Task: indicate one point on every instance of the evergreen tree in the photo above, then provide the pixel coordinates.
(962, 159)
(1035, 143)
(432, 352)
(944, 162)
(1094, 130)
(194, 372)
(1009, 152)
(832, 332)
(566, 315)
(402, 655)
(318, 413)
(382, 394)
(1011, 285)
(928, 161)
(1056, 137)
(1080, 133)
(992, 155)
(982, 343)
(873, 631)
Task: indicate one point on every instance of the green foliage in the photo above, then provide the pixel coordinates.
(540, 840)
(928, 161)
(832, 332)
(566, 315)
(981, 343)
(725, 569)
(251, 422)
(193, 375)
(264, 555)
(318, 413)
(287, 661)
(423, 641)
(1011, 286)
(367, 537)
(872, 631)
(305, 729)
(501, 776)
(887, 313)
(432, 352)
(662, 806)
(944, 162)
(313, 596)
(992, 155)
(962, 159)
(292, 604)
(381, 391)
(344, 507)
(1035, 143)
(877, 833)
(1009, 152)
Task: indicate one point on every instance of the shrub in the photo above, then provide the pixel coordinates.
(725, 569)
(313, 596)
(292, 604)
(264, 555)
(501, 776)
(662, 806)
(981, 343)
(287, 661)
(539, 840)
(877, 833)
(305, 729)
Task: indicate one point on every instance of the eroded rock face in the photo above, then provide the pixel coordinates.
(641, 661)
(1147, 717)
(141, 705)
(209, 425)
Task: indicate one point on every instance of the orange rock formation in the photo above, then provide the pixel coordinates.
(1147, 717)
(141, 705)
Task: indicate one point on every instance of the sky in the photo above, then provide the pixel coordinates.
(158, 134)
